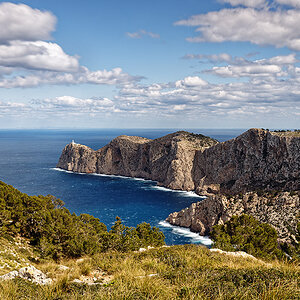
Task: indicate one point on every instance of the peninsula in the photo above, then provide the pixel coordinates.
(257, 173)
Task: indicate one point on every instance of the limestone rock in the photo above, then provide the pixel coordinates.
(236, 253)
(29, 273)
(277, 209)
(96, 277)
(78, 158)
(257, 159)
(169, 160)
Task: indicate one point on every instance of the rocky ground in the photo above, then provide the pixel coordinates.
(168, 160)
(277, 209)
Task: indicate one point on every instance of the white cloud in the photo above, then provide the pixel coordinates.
(222, 57)
(191, 81)
(247, 3)
(274, 66)
(262, 27)
(248, 70)
(280, 60)
(293, 3)
(112, 77)
(139, 34)
(260, 97)
(21, 22)
(37, 55)
(179, 107)
(72, 104)
(28, 61)
(13, 108)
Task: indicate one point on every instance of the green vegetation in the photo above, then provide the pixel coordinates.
(283, 132)
(181, 272)
(245, 233)
(287, 130)
(38, 230)
(55, 232)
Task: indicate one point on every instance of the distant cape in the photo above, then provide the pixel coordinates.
(256, 160)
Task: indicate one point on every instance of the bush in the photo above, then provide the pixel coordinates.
(245, 233)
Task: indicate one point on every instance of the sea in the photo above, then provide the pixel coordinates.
(28, 161)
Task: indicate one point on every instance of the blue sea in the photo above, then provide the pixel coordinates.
(28, 159)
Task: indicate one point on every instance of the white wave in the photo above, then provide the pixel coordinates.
(103, 175)
(165, 224)
(155, 187)
(183, 193)
(195, 237)
(61, 170)
(120, 176)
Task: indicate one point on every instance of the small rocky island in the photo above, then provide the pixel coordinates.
(257, 173)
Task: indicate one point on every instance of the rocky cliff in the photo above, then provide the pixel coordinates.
(257, 159)
(169, 160)
(276, 208)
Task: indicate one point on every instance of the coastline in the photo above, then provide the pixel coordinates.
(156, 187)
(194, 237)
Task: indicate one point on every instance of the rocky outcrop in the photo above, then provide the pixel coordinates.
(235, 254)
(277, 209)
(168, 160)
(28, 273)
(257, 159)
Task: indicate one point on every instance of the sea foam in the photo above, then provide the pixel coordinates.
(153, 187)
(103, 175)
(183, 193)
(186, 232)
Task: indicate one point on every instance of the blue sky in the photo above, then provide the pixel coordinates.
(150, 64)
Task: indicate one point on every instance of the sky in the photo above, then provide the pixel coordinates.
(150, 64)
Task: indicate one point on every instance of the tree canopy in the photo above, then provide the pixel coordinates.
(245, 233)
(54, 231)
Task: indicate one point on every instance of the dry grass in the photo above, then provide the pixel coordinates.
(287, 133)
(183, 272)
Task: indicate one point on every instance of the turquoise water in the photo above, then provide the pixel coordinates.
(28, 159)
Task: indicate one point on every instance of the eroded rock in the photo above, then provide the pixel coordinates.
(28, 273)
(168, 160)
(277, 209)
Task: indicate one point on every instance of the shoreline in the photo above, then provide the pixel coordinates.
(157, 187)
(194, 237)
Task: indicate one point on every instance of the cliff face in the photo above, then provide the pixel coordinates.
(168, 160)
(78, 158)
(278, 209)
(257, 159)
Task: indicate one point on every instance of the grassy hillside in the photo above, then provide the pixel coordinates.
(177, 272)
(77, 250)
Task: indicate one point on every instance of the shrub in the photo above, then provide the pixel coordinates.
(245, 233)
